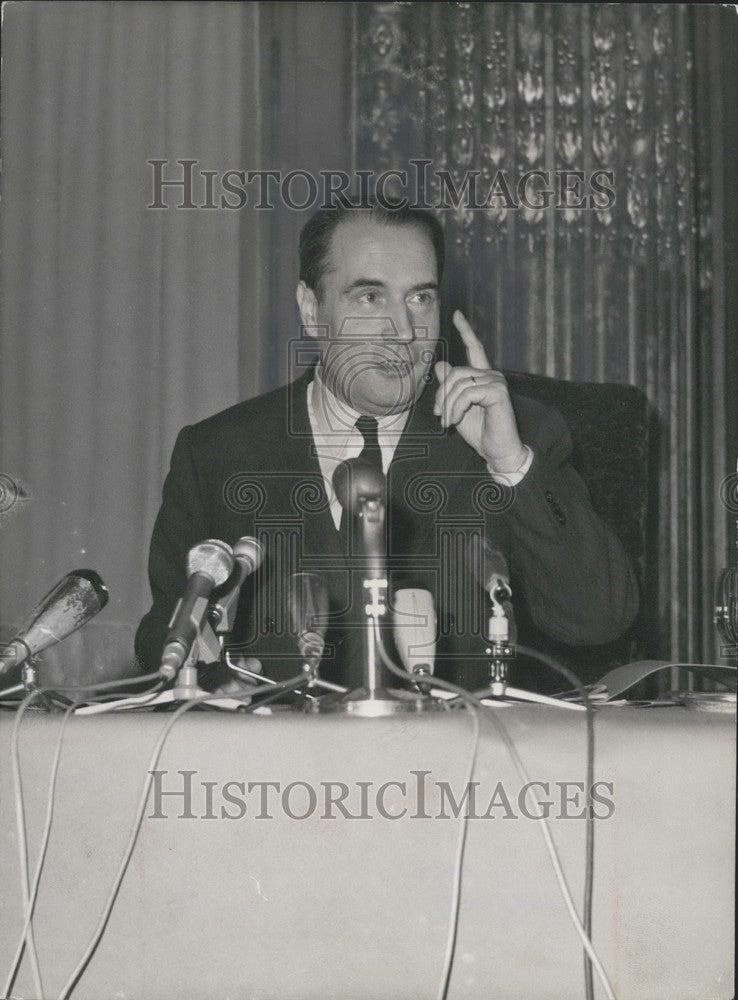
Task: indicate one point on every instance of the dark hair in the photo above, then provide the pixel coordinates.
(317, 233)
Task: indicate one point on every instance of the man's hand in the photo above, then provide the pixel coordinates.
(476, 401)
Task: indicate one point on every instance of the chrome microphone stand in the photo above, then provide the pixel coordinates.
(28, 683)
(501, 651)
(372, 700)
(206, 648)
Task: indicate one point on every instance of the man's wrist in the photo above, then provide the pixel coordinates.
(509, 464)
(510, 474)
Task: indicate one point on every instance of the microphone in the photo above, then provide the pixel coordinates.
(307, 601)
(209, 565)
(356, 480)
(361, 490)
(414, 616)
(248, 554)
(77, 598)
(490, 569)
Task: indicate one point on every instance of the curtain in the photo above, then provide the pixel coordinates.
(122, 322)
(628, 289)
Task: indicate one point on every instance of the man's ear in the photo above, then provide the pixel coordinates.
(307, 303)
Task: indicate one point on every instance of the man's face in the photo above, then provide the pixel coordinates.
(377, 319)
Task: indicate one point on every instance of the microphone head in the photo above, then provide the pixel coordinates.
(91, 588)
(249, 552)
(67, 606)
(414, 629)
(355, 479)
(489, 567)
(212, 558)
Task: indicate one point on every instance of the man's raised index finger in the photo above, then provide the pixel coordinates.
(475, 352)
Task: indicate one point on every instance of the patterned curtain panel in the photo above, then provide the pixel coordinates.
(575, 153)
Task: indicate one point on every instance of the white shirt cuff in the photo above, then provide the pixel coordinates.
(513, 478)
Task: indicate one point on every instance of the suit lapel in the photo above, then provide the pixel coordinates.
(308, 493)
(425, 476)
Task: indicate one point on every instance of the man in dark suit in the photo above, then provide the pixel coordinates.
(461, 455)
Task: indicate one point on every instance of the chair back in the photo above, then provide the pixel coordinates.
(610, 427)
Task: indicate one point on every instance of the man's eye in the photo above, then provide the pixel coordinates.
(369, 297)
(424, 298)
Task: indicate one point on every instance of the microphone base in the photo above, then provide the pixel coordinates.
(16, 690)
(374, 704)
(145, 701)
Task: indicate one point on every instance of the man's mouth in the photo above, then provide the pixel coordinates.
(390, 364)
(393, 367)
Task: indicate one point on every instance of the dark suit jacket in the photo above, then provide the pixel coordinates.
(252, 470)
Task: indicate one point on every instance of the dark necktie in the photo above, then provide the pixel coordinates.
(370, 453)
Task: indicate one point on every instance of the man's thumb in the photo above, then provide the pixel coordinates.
(442, 368)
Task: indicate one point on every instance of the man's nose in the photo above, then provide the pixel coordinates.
(399, 325)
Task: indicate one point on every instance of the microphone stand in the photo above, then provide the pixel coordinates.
(372, 700)
(185, 688)
(221, 618)
(501, 651)
(206, 649)
(27, 684)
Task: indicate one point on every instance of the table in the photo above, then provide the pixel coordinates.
(329, 906)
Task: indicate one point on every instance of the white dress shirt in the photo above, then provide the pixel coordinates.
(337, 438)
